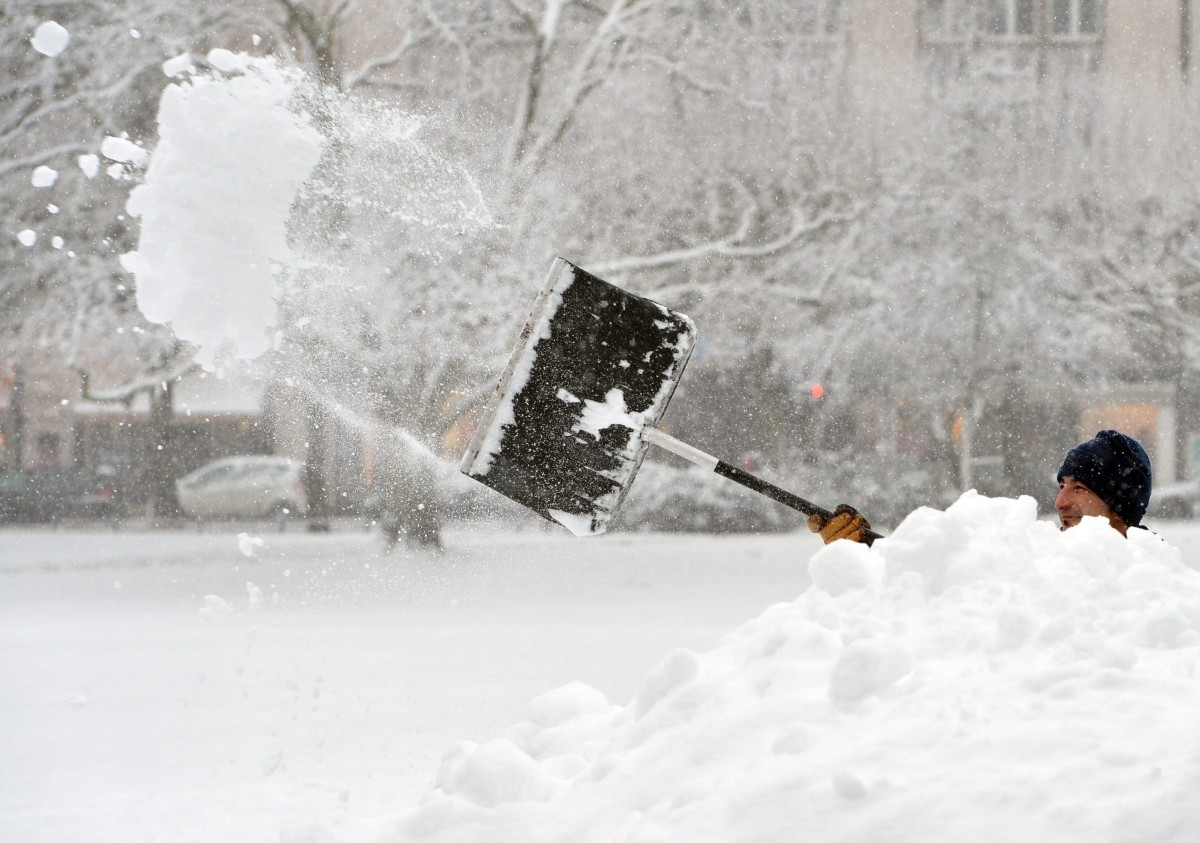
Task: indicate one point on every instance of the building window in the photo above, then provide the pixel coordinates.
(1019, 69)
(821, 19)
(1074, 17)
(1185, 38)
(947, 20)
(1012, 18)
(48, 450)
(964, 20)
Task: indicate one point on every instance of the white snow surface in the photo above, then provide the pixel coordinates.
(331, 676)
(976, 675)
(211, 247)
(50, 38)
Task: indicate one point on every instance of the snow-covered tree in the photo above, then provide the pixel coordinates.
(77, 103)
(697, 151)
(498, 135)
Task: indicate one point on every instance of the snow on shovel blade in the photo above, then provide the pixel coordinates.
(592, 368)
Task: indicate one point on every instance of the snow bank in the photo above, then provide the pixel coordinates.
(978, 675)
(231, 157)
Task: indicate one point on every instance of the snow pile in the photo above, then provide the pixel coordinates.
(976, 676)
(232, 154)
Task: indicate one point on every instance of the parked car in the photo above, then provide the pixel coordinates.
(54, 494)
(255, 486)
(1175, 500)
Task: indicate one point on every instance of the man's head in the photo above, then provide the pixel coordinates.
(1109, 476)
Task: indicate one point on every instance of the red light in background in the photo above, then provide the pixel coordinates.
(817, 391)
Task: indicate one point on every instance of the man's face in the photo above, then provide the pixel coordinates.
(1076, 500)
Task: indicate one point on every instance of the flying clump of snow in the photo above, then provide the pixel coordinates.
(232, 153)
(44, 177)
(978, 675)
(89, 164)
(249, 545)
(237, 150)
(121, 150)
(50, 38)
(178, 65)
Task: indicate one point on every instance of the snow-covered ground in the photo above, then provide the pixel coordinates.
(976, 676)
(165, 686)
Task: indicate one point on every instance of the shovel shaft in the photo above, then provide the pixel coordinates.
(745, 478)
(680, 449)
(772, 491)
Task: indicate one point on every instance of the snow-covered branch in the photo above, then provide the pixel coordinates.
(61, 104)
(363, 74)
(530, 91)
(731, 246)
(677, 71)
(45, 156)
(579, 85)
(127, 391)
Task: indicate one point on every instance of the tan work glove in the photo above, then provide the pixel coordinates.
(845, 523)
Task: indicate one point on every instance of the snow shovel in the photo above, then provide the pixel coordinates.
(588, 381)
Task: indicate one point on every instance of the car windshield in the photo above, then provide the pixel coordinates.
(216, 474)
(12, 480)
(261, 469)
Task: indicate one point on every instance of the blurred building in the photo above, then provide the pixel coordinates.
(1120, 72)
(1119, 76)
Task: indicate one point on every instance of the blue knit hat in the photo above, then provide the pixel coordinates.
(1116, 468)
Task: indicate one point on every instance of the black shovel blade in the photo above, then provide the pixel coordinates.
(594, 366)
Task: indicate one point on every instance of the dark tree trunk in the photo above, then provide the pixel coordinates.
(162, 468)
(15, 432)
(316, 468)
